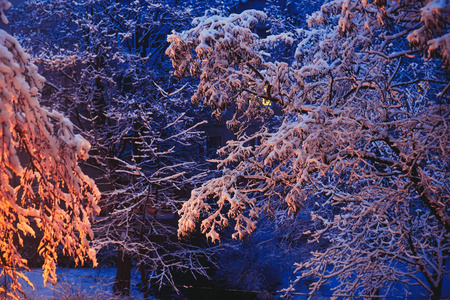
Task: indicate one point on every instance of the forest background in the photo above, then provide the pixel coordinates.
(316, 133)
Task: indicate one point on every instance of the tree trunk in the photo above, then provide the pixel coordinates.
(437, 291)
(144, 281)
(375, 294)
(122, 284)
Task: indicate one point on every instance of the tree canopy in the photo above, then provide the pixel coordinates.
(341, 138)
(41, 184)
(363, 135)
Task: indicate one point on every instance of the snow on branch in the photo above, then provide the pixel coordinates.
(224, 52)
(4, 4)
(41, 182)
(363, 132)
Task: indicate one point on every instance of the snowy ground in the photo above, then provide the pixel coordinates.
(85, 283)
(81, 282)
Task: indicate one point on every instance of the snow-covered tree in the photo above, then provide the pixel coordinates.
(363, 133)
(104, 60)
(42, 187)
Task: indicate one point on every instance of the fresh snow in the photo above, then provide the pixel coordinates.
(86, 282)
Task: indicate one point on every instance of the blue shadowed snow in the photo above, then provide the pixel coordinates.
(84, 282)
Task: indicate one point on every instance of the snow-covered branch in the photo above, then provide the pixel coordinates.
(363, 134)
(42, 185)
